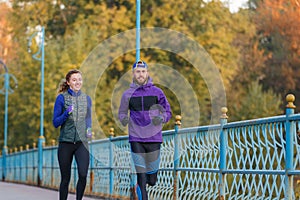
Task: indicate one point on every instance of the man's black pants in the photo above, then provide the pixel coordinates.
(146, 158)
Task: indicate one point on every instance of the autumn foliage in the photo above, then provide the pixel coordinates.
(256, 52)
(7, 52)
(278, 23)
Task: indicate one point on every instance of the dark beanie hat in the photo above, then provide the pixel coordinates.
(139, 63)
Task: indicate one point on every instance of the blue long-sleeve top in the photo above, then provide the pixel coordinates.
(60, 115)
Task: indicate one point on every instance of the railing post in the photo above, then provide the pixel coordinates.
(52, 162)
(26, 161)
(223, 145)
(133, 181)
(176, 157)
(91, 166)
(290, 108)
(74, 175)
(21, 163)
(4, 163)
(41, 143)
(15, 163)
(111, 159)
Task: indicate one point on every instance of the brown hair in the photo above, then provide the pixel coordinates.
(63, 86)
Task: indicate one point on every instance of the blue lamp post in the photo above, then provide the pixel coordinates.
(39, 55)
(138, 28)
(6, 90)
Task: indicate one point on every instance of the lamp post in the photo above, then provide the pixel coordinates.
(138, 29)
(39, 55)
(6, 90)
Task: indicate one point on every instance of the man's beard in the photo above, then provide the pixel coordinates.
(141, 83)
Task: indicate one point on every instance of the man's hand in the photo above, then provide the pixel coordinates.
(125, 121)
(89, 133)
(157, 120)
(70, 109)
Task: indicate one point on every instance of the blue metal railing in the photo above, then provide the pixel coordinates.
(253, 159)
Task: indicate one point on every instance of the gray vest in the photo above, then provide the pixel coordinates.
(74, 128)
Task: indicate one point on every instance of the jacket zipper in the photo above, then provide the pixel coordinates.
(76, 120)
(143, 108)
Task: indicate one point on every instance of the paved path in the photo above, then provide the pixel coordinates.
(12, 191)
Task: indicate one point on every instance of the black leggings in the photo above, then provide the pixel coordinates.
(146, 158)
(65, 153)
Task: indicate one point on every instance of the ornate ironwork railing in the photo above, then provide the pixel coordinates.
(252, 159)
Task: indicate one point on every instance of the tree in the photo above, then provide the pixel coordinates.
(278, 28)
(255, 103)
(75, 28)
(7, 46)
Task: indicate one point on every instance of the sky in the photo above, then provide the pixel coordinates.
(234, 5)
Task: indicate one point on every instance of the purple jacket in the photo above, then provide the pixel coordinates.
(144, 103)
